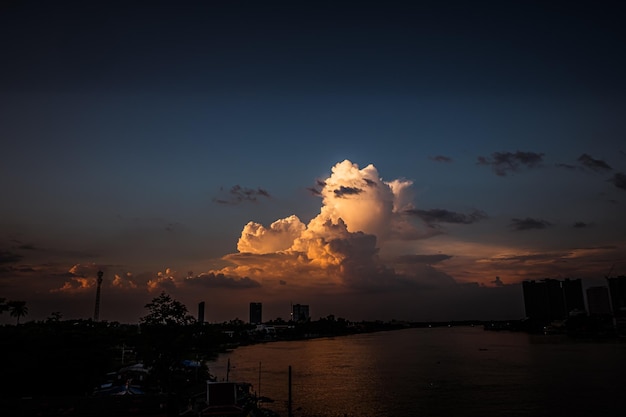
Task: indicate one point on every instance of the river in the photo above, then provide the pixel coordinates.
(457, 371)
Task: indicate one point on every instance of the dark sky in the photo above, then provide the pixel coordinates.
(371, 159)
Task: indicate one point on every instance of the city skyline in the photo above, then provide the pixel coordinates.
(397, 161)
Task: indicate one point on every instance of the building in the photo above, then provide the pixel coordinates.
(573, 295)
(300, 312)
(256, 313)
(201, 312)
(617, 288)
(536, 300)
(598, 301)
(550, 299)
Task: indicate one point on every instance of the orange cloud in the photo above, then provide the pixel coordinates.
(75, 285)
(126, 283)
(340, 246)
(164, 281)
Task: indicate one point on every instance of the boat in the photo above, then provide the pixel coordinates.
(226, 399)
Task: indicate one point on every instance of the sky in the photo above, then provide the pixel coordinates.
(374, 160)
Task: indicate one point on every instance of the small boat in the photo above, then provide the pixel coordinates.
(223, 399)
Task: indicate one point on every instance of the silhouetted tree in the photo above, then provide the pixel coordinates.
(166, 311)
(54, 317)
(166, 338)
(18, 309)
(3, 305)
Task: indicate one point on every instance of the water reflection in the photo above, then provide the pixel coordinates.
(436, 372)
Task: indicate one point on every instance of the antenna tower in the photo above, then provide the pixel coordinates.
(96, 313)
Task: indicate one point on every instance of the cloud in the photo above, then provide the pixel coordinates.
(85, 270)
(28, 246)
(503, 163)
(317, 189)
(164, 281)
(580, 225)
(529, 224)
(75, 285)
(619, 180)
(584, 262)
(532, 257)
(567, 166)
(212, 280)
(596, 165)
(444, 216)
(375, 209)
(340, 246)
(441, 158)
(281, 234)
(422, 259)
(7, 257)
(344, 191)
(124, 281)
(79, 278)
(587, 163)
(238, 194)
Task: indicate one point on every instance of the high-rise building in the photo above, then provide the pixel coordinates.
(300, 312)
(617, 288)
(598, 301)
(256, 313)
(536, 301)
(201, 312)
(551, 299)
(556, 299)
(573, 295)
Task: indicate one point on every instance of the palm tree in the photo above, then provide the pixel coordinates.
(18, 309)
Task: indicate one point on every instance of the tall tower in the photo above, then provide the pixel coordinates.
(201, 312)
(256, 313)
(96, 313)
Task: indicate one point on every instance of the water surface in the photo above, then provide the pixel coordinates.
(458, 371)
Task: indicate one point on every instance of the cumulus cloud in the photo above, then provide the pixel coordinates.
(529, 224)
(340, 246)
(164, 281)
(504, 163)
(124, 281)
(75, 285)
(441, 158)
(79, 278)
(238, 194)
(281, 234)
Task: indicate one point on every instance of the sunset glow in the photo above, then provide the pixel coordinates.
(409, 162)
